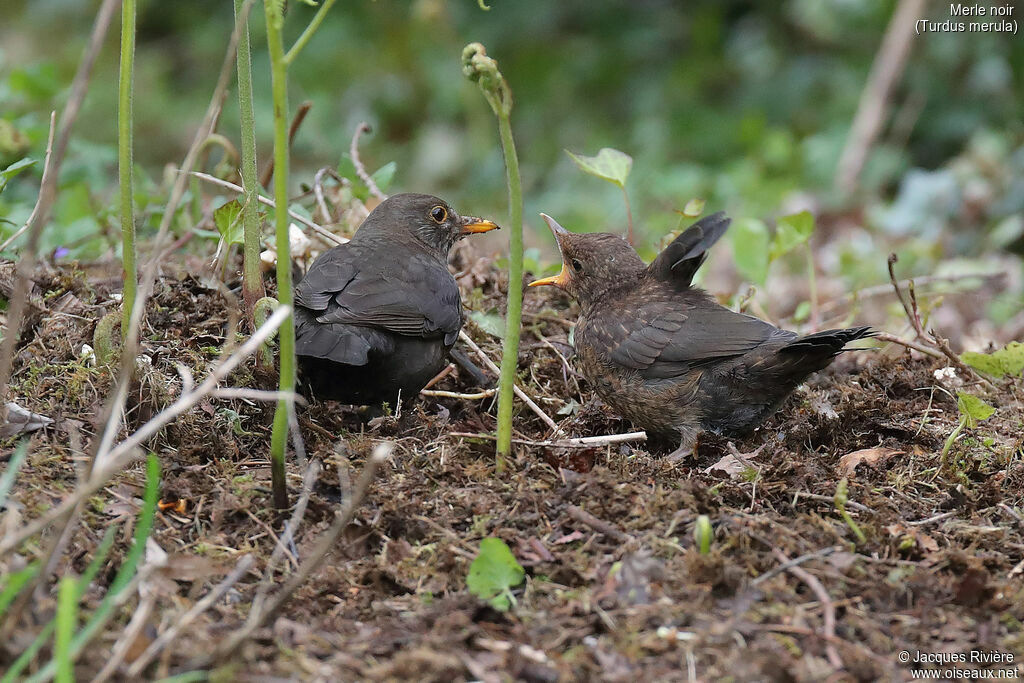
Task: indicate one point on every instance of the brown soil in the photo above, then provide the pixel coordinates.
(940, 569)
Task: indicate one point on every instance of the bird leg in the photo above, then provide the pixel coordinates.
(688, 445)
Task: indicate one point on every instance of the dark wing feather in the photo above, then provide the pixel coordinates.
(679, 261)
(347, 308)
(662, 340)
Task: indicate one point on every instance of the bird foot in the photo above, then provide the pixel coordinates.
(680, 454)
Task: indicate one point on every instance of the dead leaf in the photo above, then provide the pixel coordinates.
(22, 421)
(733, 462)
(871, 456)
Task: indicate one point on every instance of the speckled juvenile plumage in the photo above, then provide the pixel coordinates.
(663, 353)
(377, 316)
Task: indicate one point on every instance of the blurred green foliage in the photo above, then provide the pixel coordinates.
(744, 104)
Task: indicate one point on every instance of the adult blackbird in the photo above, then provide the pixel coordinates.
(376, 317)
(663, 353)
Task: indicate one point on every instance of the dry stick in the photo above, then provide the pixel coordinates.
(480, 395)
(114, 407)
(318, 189)
(580, 442)
(893, 339)
(992, 279)
(300, 116)
(323, 232)
(786, 566)
(47, 194)
(831, 500)
(127, 451)
(581, 515)
(327, 541)
(885, 72)
(515, 387)
(826, 603)
(288, 535)
(913, 315)
(207, 601)
(258, 395)
(353, 151)
(139, 620)
(45, 178)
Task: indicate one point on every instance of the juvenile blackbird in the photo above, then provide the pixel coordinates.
(377, 316)
(663, 353)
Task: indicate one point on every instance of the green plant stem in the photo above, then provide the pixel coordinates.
(67, 615)
(629, 214)
(949, 441)
(252, 276)
(307, 34)
(513, 315)
(124, 160)
(286, 334)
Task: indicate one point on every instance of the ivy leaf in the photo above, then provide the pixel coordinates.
(384, 175)
(750, 249)
(790, 232)
(972, 408)
(493, 572)
(609, 164)
(491, 323)
(228, 219)
(13, 170)
(1007, 361)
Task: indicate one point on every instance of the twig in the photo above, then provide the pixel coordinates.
(931, 520)
(826, 603)
(300, 116)
(831, 500)
(128, 450)
(581, 442)
(140, 617)
(879, 290)
(45, 178)
(318, 189)
(785, 566)
(885, 72)
(47, 195)
(584, 517)
(480, 395)
(353, 152)
(328, 540)
(519, 392)
(439, 376)
(910, 308)
(258, 394)
(207, 601)
(893, 339)
(323, 232)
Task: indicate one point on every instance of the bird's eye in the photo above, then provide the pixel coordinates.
(576, 265)
(439, 214)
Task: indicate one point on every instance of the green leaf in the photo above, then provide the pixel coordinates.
(493, 572)
(491, 323)
(384, 175)
(803, 310)
(973, 408)
(790, 232)
(750, 249)
(694, 207)
(228, 219)
(1008, 361)
(609, 164)
(13, 170)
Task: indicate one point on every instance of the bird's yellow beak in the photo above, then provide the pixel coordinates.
(560, 280)
(472, 225)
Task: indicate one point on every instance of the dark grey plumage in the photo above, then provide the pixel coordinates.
(377, 316)
(667, 356)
